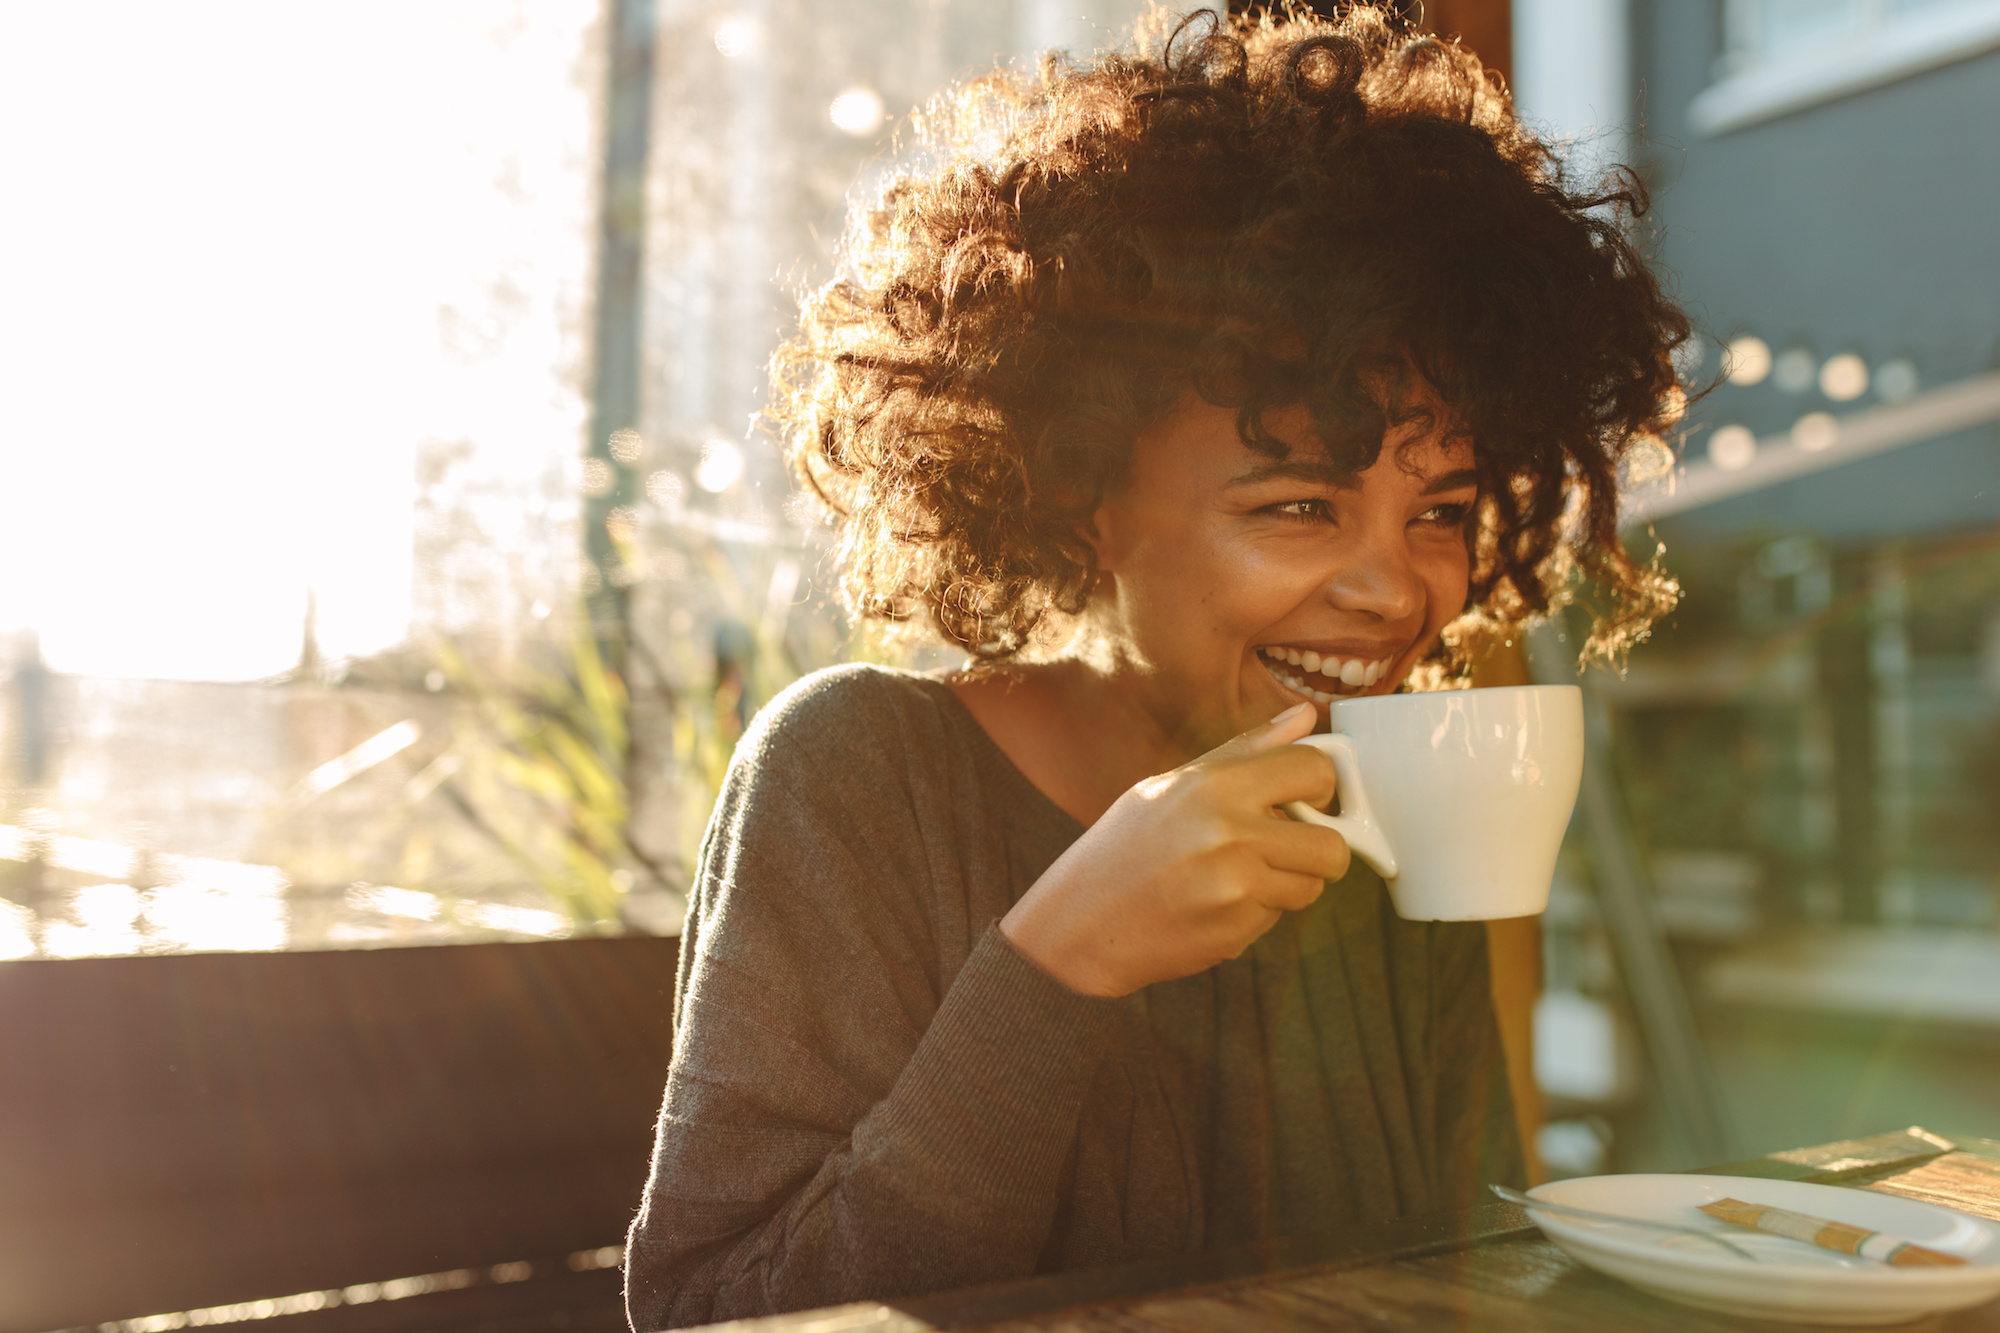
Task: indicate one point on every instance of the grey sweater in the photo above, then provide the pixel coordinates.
(874, 1095)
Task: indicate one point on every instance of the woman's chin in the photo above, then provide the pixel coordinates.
(1267, 696)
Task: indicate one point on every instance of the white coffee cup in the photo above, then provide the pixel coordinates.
(1457, 798)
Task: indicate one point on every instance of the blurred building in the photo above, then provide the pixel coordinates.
(1808, 748)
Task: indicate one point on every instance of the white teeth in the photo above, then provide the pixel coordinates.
(1349, 674)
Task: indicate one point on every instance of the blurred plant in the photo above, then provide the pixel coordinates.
(542, 766)
(749, 660)
(558, 741)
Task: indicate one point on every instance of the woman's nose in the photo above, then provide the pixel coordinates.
(1378, 578)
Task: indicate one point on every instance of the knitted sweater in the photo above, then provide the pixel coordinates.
(873, 1094)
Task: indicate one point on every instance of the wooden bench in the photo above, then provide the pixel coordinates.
(439, 1137)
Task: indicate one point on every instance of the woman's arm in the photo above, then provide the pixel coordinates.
(840, 1121)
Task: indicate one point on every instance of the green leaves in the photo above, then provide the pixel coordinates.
(558, 741)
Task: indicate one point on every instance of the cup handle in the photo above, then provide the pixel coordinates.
(1356, 822)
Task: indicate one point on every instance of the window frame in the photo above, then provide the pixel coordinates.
(1890, 48)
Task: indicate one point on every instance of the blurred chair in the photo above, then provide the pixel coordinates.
(437, 1137)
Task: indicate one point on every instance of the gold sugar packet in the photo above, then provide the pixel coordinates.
(1878, 1245)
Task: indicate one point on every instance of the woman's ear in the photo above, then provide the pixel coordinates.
(1098, 531)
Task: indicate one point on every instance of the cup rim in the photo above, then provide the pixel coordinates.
(1366, 700)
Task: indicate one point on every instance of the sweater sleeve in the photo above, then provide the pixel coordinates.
(842, 1121)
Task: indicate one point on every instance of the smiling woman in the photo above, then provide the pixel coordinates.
(1338, 225)
(1255, 370)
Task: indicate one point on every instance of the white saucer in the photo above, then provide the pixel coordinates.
(1790, 1280)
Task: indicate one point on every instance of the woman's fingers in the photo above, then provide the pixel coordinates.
(1290, 891)
(1305, 849)
(1187, 868)
(1274, 776)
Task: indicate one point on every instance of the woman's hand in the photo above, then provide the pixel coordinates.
(1186, 869)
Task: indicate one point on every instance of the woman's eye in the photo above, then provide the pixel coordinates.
(1446, 515)
(1306, 511)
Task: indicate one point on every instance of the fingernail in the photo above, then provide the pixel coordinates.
(1290, 713)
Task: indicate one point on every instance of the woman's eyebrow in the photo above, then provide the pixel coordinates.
(1326, 474)
(1298, 469)
(1451, 481)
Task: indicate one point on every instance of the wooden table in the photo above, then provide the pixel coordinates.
(1487, 1269)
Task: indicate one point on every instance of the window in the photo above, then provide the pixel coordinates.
(1782, 56)
(297, 352)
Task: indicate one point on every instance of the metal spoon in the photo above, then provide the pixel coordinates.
(1515, 1196)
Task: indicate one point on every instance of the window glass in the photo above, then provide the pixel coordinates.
(298, 360)
(1762, 31)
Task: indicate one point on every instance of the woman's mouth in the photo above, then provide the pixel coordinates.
(1323, 678)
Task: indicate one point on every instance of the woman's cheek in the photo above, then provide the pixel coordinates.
(1447, 581)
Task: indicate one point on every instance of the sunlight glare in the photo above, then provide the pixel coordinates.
(17, 925)
(107, 922)
(721, 464)
(513, 920)
(737, 37)
(411, 904)
(219, 905)
(857, 111)
(229, 330)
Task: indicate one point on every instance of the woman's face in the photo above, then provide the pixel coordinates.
(1237, 585)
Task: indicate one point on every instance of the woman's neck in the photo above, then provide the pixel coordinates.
(1073, 727)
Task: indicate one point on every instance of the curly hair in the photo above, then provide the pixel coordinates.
(1298, 213)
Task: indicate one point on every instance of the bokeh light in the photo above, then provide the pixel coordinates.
(1647, 458)
(1747, 360)
(721, 464)
(1732, 448)
(1815, 431)
(738, 37)
(1794, 369)
(1844, 377)
(857, 111)
(664, 489)
(622, 523)
(1896, 380)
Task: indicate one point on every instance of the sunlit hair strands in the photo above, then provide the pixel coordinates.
(1271, 214)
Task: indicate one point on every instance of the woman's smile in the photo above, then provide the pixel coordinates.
(1235, 583)
(1323, 677)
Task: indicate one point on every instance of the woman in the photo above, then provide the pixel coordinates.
(1189, 392)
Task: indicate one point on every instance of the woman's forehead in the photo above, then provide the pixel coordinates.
(1209, 439)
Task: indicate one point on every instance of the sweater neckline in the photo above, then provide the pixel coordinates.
(993, 761)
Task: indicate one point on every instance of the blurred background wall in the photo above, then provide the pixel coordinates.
(1807, 747)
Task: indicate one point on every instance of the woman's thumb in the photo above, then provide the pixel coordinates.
(1291, 725)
